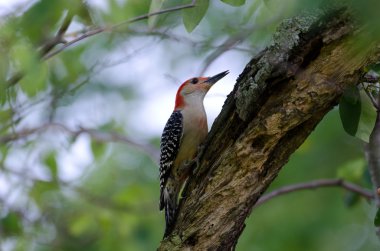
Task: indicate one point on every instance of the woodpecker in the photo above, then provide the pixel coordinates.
(183, 133)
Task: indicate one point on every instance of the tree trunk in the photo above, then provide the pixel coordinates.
(277, 101)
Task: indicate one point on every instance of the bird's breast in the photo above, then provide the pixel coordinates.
(194, 133)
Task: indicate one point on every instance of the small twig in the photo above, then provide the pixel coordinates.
(231, 42)
(314, 185)
(116, 137)
(224, 47)
(94, 134)
(98, 30)
(371, 97)
(372, 153)
(59, 39)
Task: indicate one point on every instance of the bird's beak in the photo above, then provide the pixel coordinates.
(212, 80)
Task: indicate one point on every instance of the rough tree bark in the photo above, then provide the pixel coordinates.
(282, 94)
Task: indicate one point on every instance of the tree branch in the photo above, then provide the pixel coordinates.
(98, 30)
(372, 153)
(278, 100)
(314, 185)
(372, 148)
(371, 97)
(59, 37)
(94, 134)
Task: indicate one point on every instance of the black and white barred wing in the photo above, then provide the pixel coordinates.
(170, 142)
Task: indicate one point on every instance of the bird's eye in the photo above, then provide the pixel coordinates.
(194, 81)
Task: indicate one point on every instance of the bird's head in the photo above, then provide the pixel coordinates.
(195, 89)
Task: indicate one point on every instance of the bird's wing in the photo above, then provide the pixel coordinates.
(170, 143)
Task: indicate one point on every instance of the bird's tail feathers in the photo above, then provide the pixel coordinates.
(169, 202)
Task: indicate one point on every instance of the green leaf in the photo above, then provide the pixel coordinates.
(41, 190)
(73, 68)
(10, 225)
(98, 149)
(367, 118)
(193, 16)
(84, 13)
(155, 6)
(234, 2)
(5, 114)
(377, 218)
(4, 65)
(353, 170)
(82, 224)
(25, 55)
(35, 71)
(35, 80)
(51, 162)
(44, 14)
(4, 149)
(109, 126)
(3, 96)
(350, 109)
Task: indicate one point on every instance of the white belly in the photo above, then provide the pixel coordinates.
(195, 131)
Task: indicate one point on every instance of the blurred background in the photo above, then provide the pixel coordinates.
(80, 129)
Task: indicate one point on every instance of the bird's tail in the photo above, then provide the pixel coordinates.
(168, 200)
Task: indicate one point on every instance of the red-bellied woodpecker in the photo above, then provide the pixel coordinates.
(183, 133)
